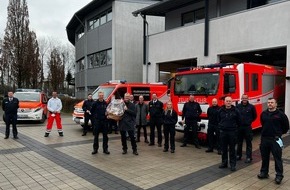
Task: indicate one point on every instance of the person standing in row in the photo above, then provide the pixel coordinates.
(87, 106)
(274, 124)
(100, 123)
(156, 119)
(54, 106)
(141, 118)
(10, 106)
(127, 124)
(170, 119)
(229, 119)
(213, 131)
(190, 116)
(248, 116)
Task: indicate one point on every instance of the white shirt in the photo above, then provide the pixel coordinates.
(54, 105)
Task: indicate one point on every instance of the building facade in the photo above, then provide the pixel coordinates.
(201, 32)
(108, 41)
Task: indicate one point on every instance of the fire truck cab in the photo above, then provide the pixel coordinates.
(117, 89)
(258, 81)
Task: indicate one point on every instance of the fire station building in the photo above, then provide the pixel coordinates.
(202, 32)
(111, 38)
(108, 42)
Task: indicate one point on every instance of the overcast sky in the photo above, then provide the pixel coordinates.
(47, 17)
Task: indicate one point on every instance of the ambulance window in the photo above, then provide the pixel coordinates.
(247, 82)
(254, 82)
(119, 94)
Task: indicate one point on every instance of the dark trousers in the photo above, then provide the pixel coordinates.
(158, 124)
(228, 141)
(101, 126)
(139, 131)
(190, 126)
(213, 136)
(247, 134)
(270, 145)
(86, 126)
(113, 126)
(124, 140)
(11, 119)
(169, 130)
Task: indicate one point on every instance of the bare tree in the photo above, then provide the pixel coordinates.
(43, 44)
(15, 41)
(34, 74)
(56, 70)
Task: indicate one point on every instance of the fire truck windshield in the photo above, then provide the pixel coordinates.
(197, 83)
(106, 90)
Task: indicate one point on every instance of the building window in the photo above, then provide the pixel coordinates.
(100, 19)
(193, 16)
(96, 63)
(109, 15)
(109, 57)
(81, 64)
(98, 59)
(103, 19)
(102, 58)
(80, 32)
(91, 59)
(97, 23)
(256, 3)
(80, 89)
(91, 24)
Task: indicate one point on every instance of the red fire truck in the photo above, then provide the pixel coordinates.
(118, 88)
(258, 81)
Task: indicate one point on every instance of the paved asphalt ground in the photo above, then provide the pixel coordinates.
(35, 162)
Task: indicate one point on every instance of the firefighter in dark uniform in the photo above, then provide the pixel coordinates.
(274, 124)
(156, 119)
(213, 132)
(170, 119)
(10, 106)
(248, 115)
(229, 120)
(190, 116)
(87, 106)
(100, 123)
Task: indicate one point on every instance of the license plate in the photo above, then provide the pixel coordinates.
(22, 116)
